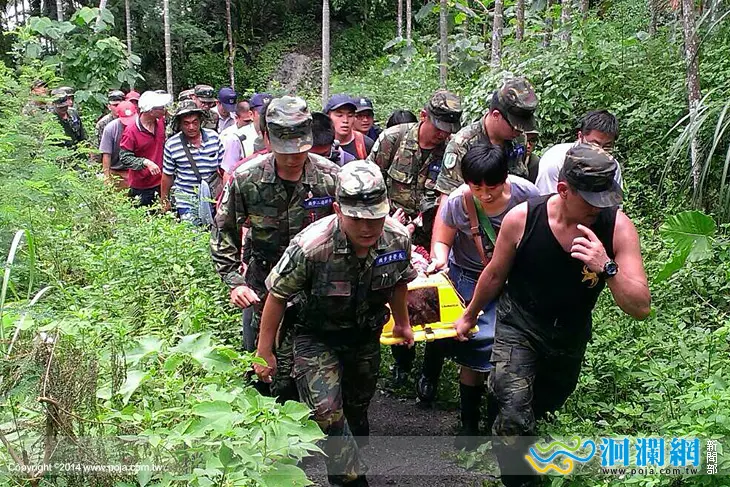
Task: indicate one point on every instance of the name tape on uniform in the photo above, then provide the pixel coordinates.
(319, 202)
(390, 257)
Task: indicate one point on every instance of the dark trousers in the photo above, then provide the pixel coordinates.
(528, 380)
(146, 197)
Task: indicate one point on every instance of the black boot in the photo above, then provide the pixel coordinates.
(427, 384)
(403, 358)
(471, 399)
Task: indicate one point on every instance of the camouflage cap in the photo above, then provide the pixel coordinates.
(60, 97)
(115, 95)
(517, 101)
(185, 95)
(361, 191)
(186, 107)
(289, 124)
(444, 110)
(205, 93)
(68, 90)
(591, 171)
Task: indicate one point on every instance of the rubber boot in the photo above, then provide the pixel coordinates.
(403, 358)
(471, 399)
(433, 362)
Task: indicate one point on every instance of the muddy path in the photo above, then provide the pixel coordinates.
(410, 446)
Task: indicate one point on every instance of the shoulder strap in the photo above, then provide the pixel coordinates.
(471, 210)
(362, 152)
(184, 141)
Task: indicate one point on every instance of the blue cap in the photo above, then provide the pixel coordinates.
(227, 97)
(363, 105)
(259, 100)
(338, 101)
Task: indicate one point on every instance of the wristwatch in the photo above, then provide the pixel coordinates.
(610, 269)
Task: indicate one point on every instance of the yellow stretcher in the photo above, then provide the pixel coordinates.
(433, 307)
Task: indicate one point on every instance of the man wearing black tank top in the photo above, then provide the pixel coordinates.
(555, 253)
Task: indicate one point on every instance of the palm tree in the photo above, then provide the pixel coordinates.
(548, 37)
(59, 10)
(444, 43)
(497, 34)
(408, 21)
(520, 14)
(325, 51)
(128, 20)
(168, 47)
(565, 17)
(399, 32)
(584, 4)
(231, 49)
(691, 58)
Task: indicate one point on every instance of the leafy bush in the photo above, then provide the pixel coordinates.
(133, 348)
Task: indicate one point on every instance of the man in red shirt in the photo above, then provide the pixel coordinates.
(142, 146)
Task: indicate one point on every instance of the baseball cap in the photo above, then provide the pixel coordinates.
(115, 95)
(132, 95)
(363, 105)
(127, 112)
(517, 102)
(591, 171)
(227, 97)
(289, 124)
(205, 93)
(152, 99)
(361, 191)
(259, 100)
(338, 101)
(444, 111)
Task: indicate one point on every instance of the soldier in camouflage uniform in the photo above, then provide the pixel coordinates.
(204, 97)
(511, 113)
(275, 196)
(185, 95)
(349, 266)
(410, 157)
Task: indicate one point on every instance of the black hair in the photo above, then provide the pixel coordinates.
(401, 116)
(262, 119)
(601, 120)
(484, 164)
(494, 103)
(323, 130)
(241, 104)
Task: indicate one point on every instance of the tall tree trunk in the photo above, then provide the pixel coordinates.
(168, 45)
(693, 81)
(399, 33)
(497, 34)
(59, 10)
(443, 43)
(231, 47)
(584, 4)
(520, 29)
(128, 21)
(548, 37)
(409, 21)
(325, 51)
(653, 16)
(565, 18)
(102, 6)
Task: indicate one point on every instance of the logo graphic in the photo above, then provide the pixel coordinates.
(540, 457)
(590, 276)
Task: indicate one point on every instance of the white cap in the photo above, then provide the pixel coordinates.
(151, 99)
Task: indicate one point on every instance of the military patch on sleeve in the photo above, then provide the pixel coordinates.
(450, 160)
(390, 257)
(318, 202)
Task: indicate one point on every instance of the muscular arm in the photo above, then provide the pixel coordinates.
(443, 237)
(629, 287)
(270, 318)
(495, 274)
(399, 306)
(438, 222)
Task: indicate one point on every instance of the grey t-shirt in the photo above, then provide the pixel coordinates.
(463, 252)
(109, 144)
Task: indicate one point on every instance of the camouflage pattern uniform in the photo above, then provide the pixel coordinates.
(336, 345)
(206, 94)
(411, 180)
(114, 96)
(517, 102)
(255, 197)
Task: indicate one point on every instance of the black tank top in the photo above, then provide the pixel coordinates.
(550, 290)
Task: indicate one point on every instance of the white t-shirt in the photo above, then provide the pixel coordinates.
(551, 163)
(235, 149)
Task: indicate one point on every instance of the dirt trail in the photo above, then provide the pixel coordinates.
(409, 446)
